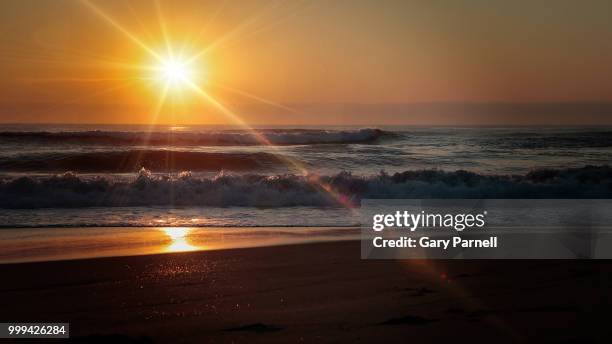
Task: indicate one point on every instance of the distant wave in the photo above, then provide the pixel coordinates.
(132, 160)
(530, 140)
(211, 138)
(70, 190)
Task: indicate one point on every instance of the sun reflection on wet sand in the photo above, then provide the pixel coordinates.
(179, 239)
(41, 244)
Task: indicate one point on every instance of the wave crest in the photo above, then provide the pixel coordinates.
(210, 138)
(70, 190)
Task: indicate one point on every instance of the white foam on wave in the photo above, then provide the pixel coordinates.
(146, 189)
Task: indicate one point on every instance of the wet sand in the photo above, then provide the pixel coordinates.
(320, 292)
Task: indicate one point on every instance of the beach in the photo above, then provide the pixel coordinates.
(315, 292)
(305, 171)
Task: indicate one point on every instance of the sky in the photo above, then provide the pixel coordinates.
(306, 62)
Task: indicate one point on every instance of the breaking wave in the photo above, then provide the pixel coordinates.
(209, 138)
(70, 190)
(132, 160)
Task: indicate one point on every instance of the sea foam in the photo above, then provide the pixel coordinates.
(254, 190)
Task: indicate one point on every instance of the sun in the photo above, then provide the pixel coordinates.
(175, 73)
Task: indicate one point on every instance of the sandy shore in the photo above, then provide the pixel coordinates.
(321, 292)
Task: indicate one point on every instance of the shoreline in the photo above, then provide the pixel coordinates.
(316, 292)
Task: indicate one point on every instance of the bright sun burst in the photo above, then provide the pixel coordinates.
(175, 73)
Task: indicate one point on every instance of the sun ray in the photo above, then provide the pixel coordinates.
(57, 58)
(232, 33)
(50, 55)
(120, 28)
(142, 26)
(324, 187)
(271, 24)
(164, 29)
(159, 105)
(196, 39)
(154, 117)
(257, 98)
(77, 80)
(64, 52)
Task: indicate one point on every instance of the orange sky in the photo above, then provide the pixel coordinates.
(329, 62)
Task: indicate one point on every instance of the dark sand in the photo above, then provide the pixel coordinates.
(311, 293)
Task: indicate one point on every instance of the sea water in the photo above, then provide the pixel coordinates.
(92, 176)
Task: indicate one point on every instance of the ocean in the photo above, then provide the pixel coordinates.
(198, 176)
